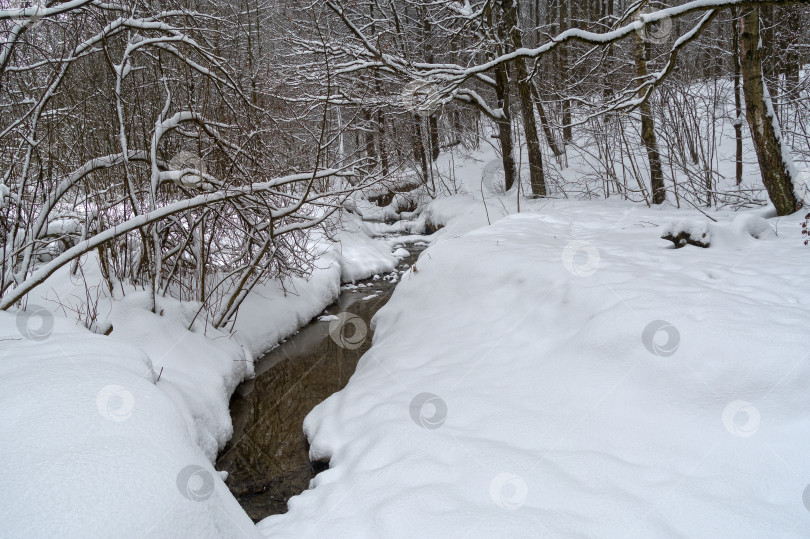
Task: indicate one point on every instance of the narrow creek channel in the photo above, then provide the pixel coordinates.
(267, 459)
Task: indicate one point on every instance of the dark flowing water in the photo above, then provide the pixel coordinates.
(268, 457)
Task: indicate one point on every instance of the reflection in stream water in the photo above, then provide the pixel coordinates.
(268, 457)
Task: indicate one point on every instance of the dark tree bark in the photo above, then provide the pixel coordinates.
(735, 58)
(776, 175)
(648, 128)
(537, 179)
(793, 58)
(418, 146)
(433, 123)
(371, 149)
(505, 126)
(541, 111)
(607, 90)
(566, 104)
(504, 123)
(381, 137)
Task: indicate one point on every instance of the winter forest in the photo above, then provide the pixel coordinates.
(404, 268)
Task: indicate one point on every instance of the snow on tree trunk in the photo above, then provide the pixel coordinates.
(775, 162)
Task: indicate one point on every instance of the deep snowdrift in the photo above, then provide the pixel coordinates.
(92, 446)
(566, 372)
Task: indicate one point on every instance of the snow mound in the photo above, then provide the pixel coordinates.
(735, 235)
(580, 380)
(360, 255)
(94, 445)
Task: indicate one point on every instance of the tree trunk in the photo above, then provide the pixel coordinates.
(762, 121)
(381, 140)
(371, 150)
(381, 127)
(433, 124)
(648, 128)
(607, 90)
(505, 126)
(505, 122)
(793, 57)
(566, 104)
(735, 58)
(537, 179)
(380, 115)
(418, 146)
(541, 111)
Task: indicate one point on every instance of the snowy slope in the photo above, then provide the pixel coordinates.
(114, 436)
(93, 447)
(583, 379)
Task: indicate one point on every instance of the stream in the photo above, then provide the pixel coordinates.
(267, 459)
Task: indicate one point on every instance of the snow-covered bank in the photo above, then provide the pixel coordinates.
(93, 447)
(114, 436)
(583, 379)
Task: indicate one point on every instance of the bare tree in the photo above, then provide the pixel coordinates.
(143, 137)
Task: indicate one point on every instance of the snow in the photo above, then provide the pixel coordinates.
(134, 223)
(583, 379)
(737, 234)
(114, 436)
(558, 371)
(273, 312)
(93, 446)
(361, 255)
(798, 178)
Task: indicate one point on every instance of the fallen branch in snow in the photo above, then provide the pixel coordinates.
(685, 237)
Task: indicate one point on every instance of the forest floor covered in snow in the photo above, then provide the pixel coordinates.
(565, 372)
(548, 369)
(114, 436)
